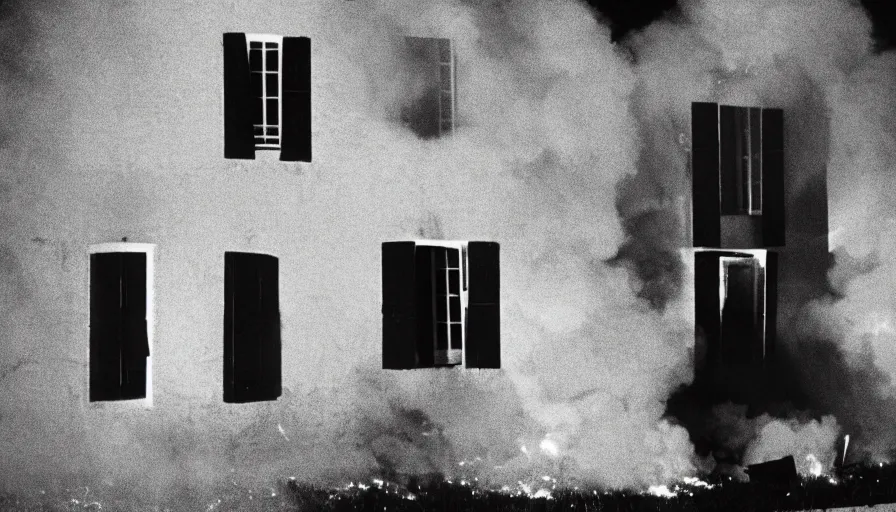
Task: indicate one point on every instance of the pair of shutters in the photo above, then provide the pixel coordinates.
(744, 340)
(715, 155)
(252, 339)
(119, 343)
(239, 105)
(403, 347)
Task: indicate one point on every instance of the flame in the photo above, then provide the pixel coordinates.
(549, 447)
(660, 490)
(814, 465)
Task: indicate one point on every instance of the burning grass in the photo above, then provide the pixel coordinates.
(855, 486)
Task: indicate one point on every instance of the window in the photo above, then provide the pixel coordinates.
(264, 67)
(737, 163)
(431, 89)
(121, 320)
(440, 304)
(267, 96)
(252, 358)
(742, 308)
(740, 139)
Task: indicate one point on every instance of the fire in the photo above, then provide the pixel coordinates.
(661, 490)
(549, 447)
(814, 465)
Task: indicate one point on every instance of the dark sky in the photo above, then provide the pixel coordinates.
(626, 15)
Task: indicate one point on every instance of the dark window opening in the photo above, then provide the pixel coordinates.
(430, 91)
(119, 342)
(742, 310)
(440, 305)
(252, 337)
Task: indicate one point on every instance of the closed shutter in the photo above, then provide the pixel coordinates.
(295, 140)
(705, 182)
(773, 220)
(400, 306)
(483, 340)
(707, 313)
(239, 141)
(119, 344)
(252, 338)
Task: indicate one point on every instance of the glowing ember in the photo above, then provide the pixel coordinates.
(543, 493)
(549, 447)
(814, 465)
(660, 490)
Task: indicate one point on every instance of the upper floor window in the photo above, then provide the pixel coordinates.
(267, 96)
(430, 94)
(121, 312)
(440, 304)
(740, 161)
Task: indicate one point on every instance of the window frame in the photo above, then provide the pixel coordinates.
(263, 39)
(126, 247)
(463, 295)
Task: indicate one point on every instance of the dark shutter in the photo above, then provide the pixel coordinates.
(295, 140)
(705, 183)
(420, 111)
(706, 312)
(252, 341)
(773, 220)
(118, 330)
(771, 304)
(239, 141)
(483, 340)
(134, 341)
(399, 306)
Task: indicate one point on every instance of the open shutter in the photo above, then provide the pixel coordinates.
(705, 182)
(773, 221)
(707, 313)
(295, 139)
(771, 304)
(238, 139)
(483, 340)
(252, 357)
(134, 341)
(399, 306)
(105, 326)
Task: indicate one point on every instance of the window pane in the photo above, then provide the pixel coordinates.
(445, 105)
(273, 88)
(259, 111)
(259, 140)
(272, 141)
(453, 258)
(438, 254)
(445, 77)
(273, 107)
(444, 50)
(457, 336)
(271, 63)
(454, 281)
(259, 130)
(455, 309)
(271, 45)
(254, 44)
(255, 60)
(273, 131)
(442, 336)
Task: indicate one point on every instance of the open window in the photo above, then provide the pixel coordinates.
(430, 89)
(441, 304)
(267, 96)
(121, 313)
(737, 173)
(252, 356)
(736, 310)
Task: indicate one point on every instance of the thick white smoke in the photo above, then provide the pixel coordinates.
(568, 149)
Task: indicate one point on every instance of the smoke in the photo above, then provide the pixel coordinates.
(570, 151)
